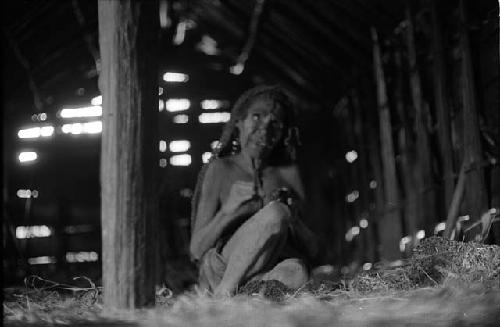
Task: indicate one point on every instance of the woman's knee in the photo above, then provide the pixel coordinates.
(276, 215)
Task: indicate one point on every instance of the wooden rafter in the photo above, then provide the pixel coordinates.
(341, 23)
(214, 16)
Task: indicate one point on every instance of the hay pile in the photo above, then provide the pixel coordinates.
(445, 283)
(437, 261)
(49, 306)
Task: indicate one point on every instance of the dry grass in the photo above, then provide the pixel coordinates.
(437, 261)
(444, 284)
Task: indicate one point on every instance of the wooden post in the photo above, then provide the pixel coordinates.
(377, 211)
(364, 181)
(128, 80)
(390, 224)
(456, 200)
(441, 103)
(424, 180)
(475, 190)
(406, 150)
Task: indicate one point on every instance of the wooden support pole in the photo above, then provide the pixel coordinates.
(129, 84)
(407, 155)
(376, 169)
(456, 200)
(441, 103)
(424, 180)
(390, 223)
(363, 168)
(475, 190)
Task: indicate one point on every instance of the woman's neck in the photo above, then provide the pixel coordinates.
(249, 163)
(253, 166)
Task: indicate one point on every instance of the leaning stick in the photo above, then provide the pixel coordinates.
(455, 203)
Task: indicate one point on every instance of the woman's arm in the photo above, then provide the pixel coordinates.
(205, 231)
(212, 219)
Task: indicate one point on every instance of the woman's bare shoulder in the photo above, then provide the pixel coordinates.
(220, 166)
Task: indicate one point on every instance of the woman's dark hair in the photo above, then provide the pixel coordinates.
(283, 153)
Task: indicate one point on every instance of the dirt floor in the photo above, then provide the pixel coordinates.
(445, 283)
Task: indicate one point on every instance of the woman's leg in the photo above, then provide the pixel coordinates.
(255, 245)
(292, 272)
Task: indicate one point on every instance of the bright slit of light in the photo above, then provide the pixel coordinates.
(351, 233)
(27, 156)
(29, 133)
(351, 197)
(161, 105)
(214, 117)
(41, 260)
(439, 227)
(93, 127)
(82, 256)
(175, 77)
(404, 241)
(66, 128)
(208, 46)
(205, 157)
(76, 128)
(420, 234)
(46, 131)
(211, 104)
(179, 146)
(214, 144)
(26, 194)
(180, 119)
(351, 156)
(93, 111)
(23, 232)
(160, 90)
(165, 21)
(97, 101)
(463, 218)
(237, 69)
(363, 223)
(180, 33)
(180, 160)
(174, 105)
(35, 132)
(163, 146)
(367, 266)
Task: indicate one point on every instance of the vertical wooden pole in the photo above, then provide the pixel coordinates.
(475, 191)
(495, 171)
(128, 43)
(441, 103)
(406, 150)
(456, 200)
(390, 224)
(424, 180)
(362, 148)
(376, 211)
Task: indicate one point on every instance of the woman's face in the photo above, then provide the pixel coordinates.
(262, 128)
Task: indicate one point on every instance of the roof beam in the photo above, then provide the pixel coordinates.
(210, 16)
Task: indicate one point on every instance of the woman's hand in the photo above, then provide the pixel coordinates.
(240, 193)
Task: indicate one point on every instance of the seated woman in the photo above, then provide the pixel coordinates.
(247, 203)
